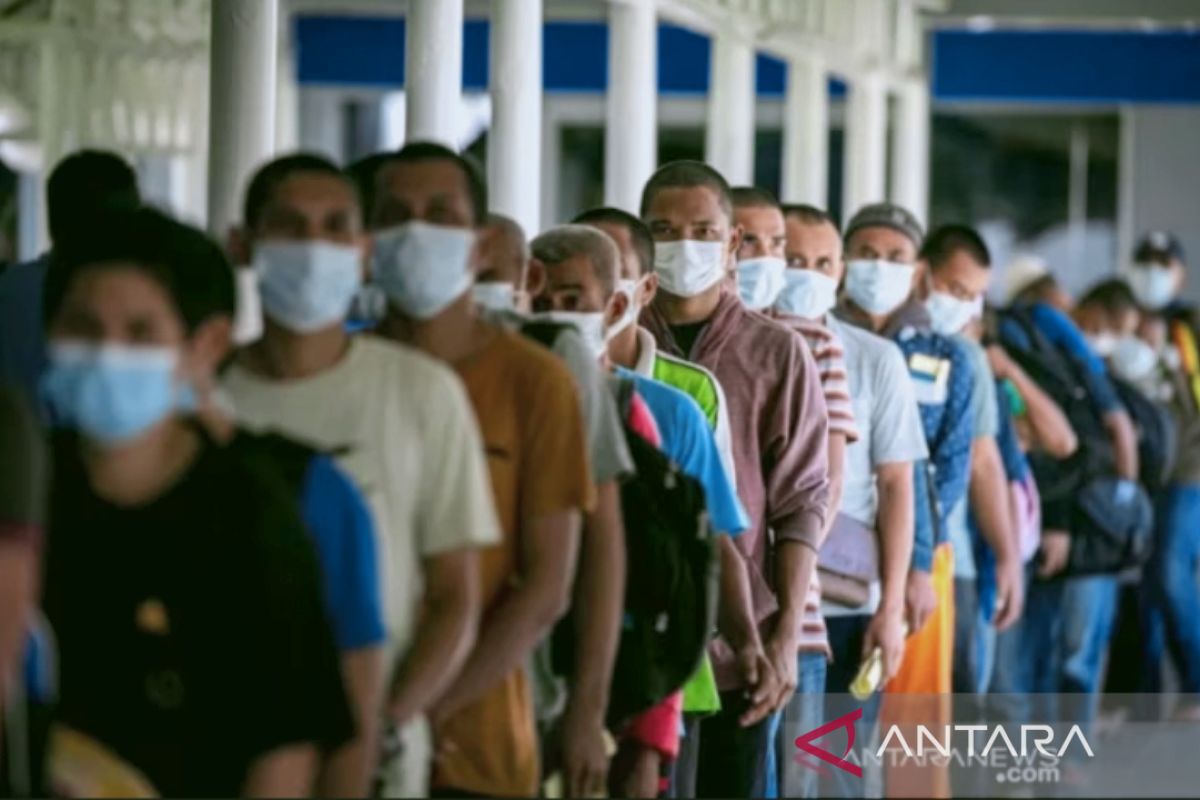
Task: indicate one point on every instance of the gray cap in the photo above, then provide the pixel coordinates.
(887, 215)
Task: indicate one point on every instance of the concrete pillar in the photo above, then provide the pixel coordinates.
(32, 237)
(631, 129)
(515, 139)
(806, 133)
(729, 144)
(433, 69)
(393, 120)
(242, 114)
(865, 168)
(910, 148)
(287, 104)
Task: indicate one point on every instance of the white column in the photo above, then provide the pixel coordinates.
(323, 122)
(32, 240)
(393, 120)
(287, 103)
(806, 133)
(910, 148)
(631, 129)
(433, 69)
(729, 145)
(242, 113)
(515, 139)
(865, 161)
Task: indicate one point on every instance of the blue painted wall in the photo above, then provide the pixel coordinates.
(1050, 67)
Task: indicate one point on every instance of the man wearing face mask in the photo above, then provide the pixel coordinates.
(571, 709)
(780, 430)
(878, 473)
(181, 584)
(430, 204)
(1157, 280)
(400, 423)
(581, 265)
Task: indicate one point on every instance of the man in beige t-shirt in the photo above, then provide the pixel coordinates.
(399, 422)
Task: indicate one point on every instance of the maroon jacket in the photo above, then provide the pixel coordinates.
(780, 432)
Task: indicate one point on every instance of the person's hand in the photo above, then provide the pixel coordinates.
(920, 600)
(781, 652)
(762, 684)
(1055, 550)
(1010, 593)
(886, 631)
(1002, 364)
(644, 775)
(584, 754)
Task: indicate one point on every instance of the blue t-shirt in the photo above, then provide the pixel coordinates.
(1060, 330)
(337, 518)
(22, 341)
(688, 440)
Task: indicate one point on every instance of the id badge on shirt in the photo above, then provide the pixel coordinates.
(930, 377)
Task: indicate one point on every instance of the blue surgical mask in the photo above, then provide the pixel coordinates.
(1152, 284)
(1133, 359)
(760, 280)
(948, 315)
(307, 285)
(590, 325)
(112, 393)
(689, 267)
(494, 295)
(807, 294)
(423, 268)
(878, 287)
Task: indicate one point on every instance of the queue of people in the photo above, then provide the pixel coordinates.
(385, 496)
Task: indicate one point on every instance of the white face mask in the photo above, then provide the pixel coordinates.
(1133, 359)
(1152, 284)
(807, 294)
(307, 286)
(495, 295)
(633, 308)
(247, 320)
(423, 268)
(947, 314)
(688, 267)
(879, 287)
(760, 280)
(590, 325)
(1103, 344)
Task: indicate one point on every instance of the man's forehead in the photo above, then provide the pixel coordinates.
(573, 270)
(310, 186)
(882, 237)
(433, 175)
(760, 217)
(690, 201)
(822, 234)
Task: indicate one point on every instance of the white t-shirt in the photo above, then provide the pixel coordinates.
(889, 426)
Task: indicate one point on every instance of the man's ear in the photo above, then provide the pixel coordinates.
(485, 238)
(920, 285)
(618, 303)
(366, 249)
(208, 346)
(735, 243)
(535, 278)
(647, 291)
(238, 245)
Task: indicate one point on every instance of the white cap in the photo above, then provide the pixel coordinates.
(1021, 273)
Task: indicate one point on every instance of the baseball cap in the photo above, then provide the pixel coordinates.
(887, 215)
(1158, 246)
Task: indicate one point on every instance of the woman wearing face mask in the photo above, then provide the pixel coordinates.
(179, 581)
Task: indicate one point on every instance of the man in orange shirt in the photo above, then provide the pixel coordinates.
(430, 203)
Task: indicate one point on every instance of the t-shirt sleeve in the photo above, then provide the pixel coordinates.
(700, 460)
(337, 517)
(607, 451)
(23, 471)
(554, 470)
(456, 507)
(836, 386)
(984, 411)
(896, 432)
(292, 690)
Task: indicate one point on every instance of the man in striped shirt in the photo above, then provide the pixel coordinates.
(761, 277)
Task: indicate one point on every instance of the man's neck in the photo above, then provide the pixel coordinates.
(286, 355)
(624, 348)
(136, 473)
(689, 310)
(872, 322)
(453, 335)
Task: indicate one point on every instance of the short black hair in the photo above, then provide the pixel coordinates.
(687, 175)
(755, 197)
(1113, 295)
(84, 184)
(416, 152)
(271, 175)
(639, 234)
(364, 173)
(950, 239)
(811, 215)
(189, 265)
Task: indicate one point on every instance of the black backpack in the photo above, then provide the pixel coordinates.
(671, 584)
(1156, 432)
(1109, 533)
